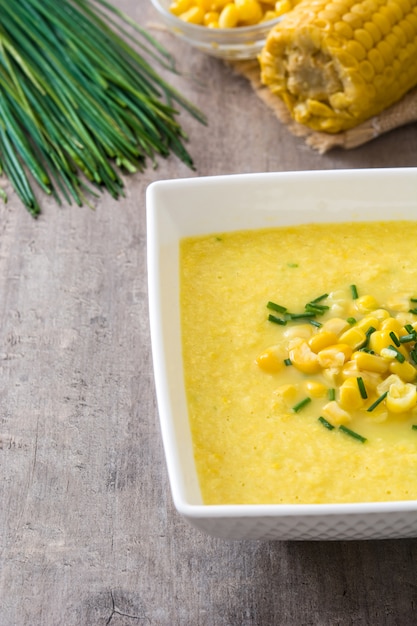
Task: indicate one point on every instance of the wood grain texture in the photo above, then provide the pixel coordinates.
(88, 533)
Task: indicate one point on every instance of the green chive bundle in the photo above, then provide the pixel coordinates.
(80, 102)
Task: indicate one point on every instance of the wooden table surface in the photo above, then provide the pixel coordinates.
(88, 532)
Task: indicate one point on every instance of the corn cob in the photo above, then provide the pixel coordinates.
(337, 63)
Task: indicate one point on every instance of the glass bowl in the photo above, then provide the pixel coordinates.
(243, 42)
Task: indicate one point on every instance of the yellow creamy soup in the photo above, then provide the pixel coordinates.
(300, 357)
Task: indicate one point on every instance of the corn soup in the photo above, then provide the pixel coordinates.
(299, 347)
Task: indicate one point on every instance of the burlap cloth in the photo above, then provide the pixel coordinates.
(401, 113)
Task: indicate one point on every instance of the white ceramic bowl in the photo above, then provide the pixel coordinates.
(197, 206)
(228, 43)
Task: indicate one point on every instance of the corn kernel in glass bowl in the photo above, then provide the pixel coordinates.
(228, 29)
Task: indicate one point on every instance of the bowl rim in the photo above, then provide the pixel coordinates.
(200, 510)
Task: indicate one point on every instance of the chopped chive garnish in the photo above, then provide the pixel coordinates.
(300, 405)
(413, 299)
(352, 433)
(351, 320)
(292, 264)
(409, 328)
(277, 320)
(362, 387)
(299, 316)
(354, 292)
(315, 323)
(320, 298)
(276, 307)
(394, 338)
(316, 308)
(367, 350)
(331, 394)
(407, 338)
(325, 423)
(413, 311)
(370, 330)
(413, 356)
(377, 401)
(414, 427)
(287, 362)
(400, 357)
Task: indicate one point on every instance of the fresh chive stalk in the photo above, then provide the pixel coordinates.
(331, 393)
(400, 357)
(407, 338)
(362, 388)
(352, 433)
(276, 307)
(80, 100)
(325, 423)
(300, 405)
(276, 320)
(394, 338)
(377, 402)
(354, 292)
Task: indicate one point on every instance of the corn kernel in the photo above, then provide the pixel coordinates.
(211, 19)
(283, 6)
(391, 323)
(300, 330)
(249, 11)
(321, 340)
(370, 362)
(335, 325)
(269, 15)
(381, 340)
(316, 389)
(349, 395)
(303, 358)
(354, 337)
(194, 15)
(229, 16)
(284, 396)
(367, 322)
(401, 397)
(180, 6)
(335, 355)
(371, 379)
(384, 385)
(366, 304)
(405, 370)
(271, 360)
(381, 314)
(335, 414)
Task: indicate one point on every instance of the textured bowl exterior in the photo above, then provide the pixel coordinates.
(302, 526)
(197, 206)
